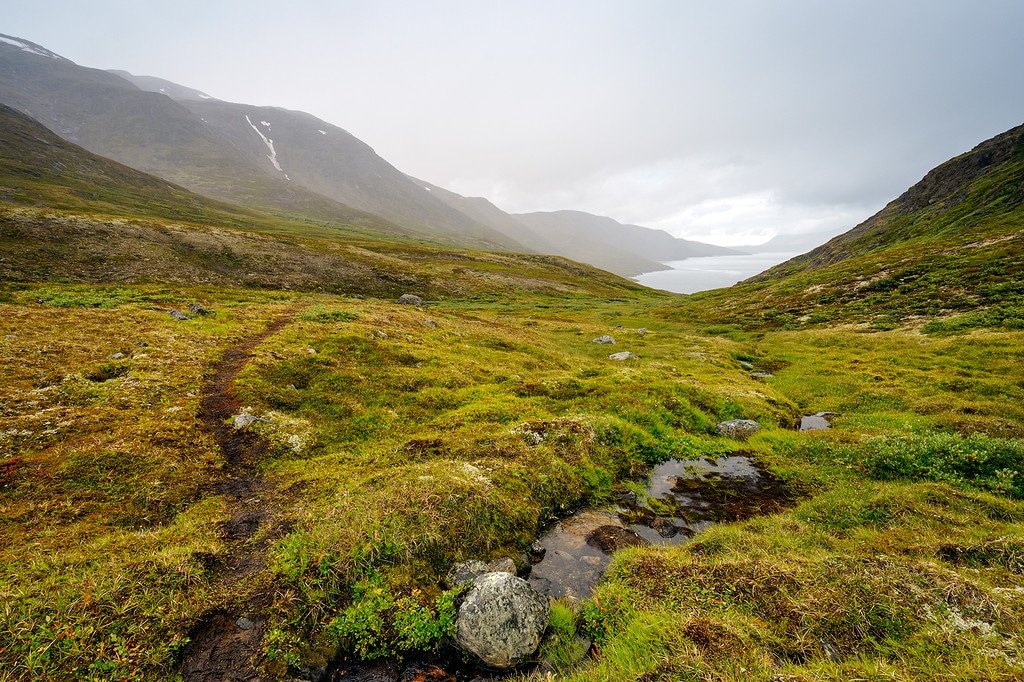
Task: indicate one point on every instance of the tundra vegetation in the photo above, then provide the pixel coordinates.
(397, 440)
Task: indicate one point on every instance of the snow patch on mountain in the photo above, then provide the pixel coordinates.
(270, 145)
(26, 46)
(322, 132)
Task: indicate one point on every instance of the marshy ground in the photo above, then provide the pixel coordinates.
(392, 441)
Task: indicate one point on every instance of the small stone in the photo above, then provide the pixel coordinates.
(761, 375)
(642, 331)
(537, 552)
(311, 351)
(430, 323)
(197, 309)
(244, 419)
(604, 339)
(746, 365)
(142, 344)
(378, 334)
(178, 315)
(624, 355)
(116, 356)
(740, 429)
(245, 624)
(410, 299)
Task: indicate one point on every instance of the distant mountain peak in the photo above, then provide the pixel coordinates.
(29, 46)
(175, 91)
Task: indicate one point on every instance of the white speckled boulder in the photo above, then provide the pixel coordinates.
(502, 620)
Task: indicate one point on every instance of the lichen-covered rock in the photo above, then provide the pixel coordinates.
(624, 355)
(502, 620)
(604, 339)
(740, 429)
(467, 571)
(410, 299)
(178, 315)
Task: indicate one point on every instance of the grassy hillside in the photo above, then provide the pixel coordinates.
(946, 255)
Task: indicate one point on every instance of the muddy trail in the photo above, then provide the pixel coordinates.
(225, 644)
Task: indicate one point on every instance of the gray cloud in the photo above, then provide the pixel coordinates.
(726, 121)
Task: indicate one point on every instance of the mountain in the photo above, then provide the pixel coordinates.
(210, 147)
(969, 194)
(624, 249)
(161, 85)
(789, 243)
(947, 251)
(69, 215)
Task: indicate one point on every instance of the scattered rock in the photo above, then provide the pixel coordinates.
(311, 351)
(746, 365)
(178, 315)
(467, 571)
(537, 552)
(244, 623)
(197, 309)
(116, 356)
(501, 620)
(430, 323)
(604, 339)
(410, 299)
(613, 538)
(244, 419)
(624, 355)
(761, 375)
(378, 334)
(142, 344)
(740, 429)
(642, 331)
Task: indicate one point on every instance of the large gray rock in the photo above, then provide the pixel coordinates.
(467, 571)
(624, 355)
(604, 339)
(740, 429)
(410, 299)
(502, 620)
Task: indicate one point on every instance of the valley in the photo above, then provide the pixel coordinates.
(266, 418)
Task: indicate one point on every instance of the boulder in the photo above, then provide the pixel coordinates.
(178, 315)
(468, 571)
(501, 620)
(410, 299)
(740, 429)
(244, 419)
(624, 355)
(197, 309)
(604, 339)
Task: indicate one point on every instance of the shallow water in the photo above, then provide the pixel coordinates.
(816, 422)
(684, 497)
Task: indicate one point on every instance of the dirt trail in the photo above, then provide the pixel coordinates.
(225, 644)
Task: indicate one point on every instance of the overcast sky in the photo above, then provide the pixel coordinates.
(722, 121)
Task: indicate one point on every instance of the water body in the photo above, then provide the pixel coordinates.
(712, 272)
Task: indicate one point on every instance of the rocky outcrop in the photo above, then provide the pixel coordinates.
(740, 429)
(501, 620)
(410, 299)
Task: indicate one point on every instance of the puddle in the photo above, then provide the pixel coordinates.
(683, 498)
(572, 565)
(817, 422)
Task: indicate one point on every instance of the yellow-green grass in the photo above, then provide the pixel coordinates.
(410, 438)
